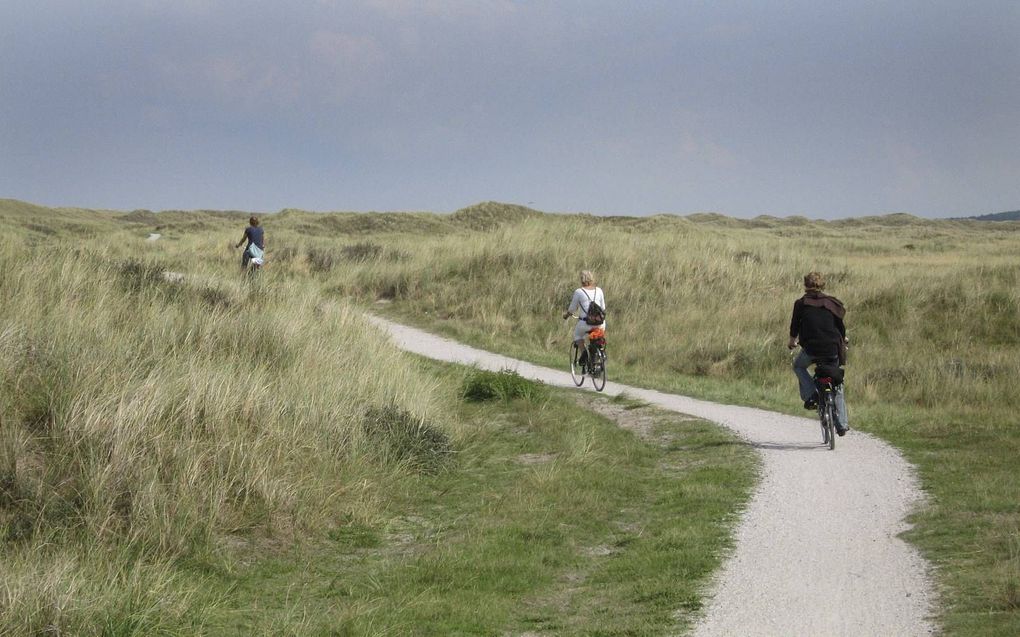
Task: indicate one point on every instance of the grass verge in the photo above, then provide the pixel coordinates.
(966, 458)
(553, 520)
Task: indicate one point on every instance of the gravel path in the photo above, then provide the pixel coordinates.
(817, 551)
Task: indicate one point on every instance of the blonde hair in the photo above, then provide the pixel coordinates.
(587, 278)
(814, 281)
(253, 220)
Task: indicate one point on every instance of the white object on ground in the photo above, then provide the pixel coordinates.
(817, 549)
(154, 236)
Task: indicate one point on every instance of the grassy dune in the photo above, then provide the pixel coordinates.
(219, 455)
(148, 422)
(698, 304)
(701, 305)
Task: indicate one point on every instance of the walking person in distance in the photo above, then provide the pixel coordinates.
(254, 252)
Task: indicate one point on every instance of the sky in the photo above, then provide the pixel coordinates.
(822, 109)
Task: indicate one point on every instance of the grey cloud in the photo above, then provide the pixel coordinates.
(744, 107)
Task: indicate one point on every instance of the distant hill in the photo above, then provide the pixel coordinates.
(492, 214)
(480, 217)
(1013, 215)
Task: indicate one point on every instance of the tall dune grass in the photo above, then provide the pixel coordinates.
(702, 305)
(933, 316)
(141, 419)
(147, 420)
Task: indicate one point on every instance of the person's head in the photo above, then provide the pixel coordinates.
(253, 220)
(587, 278)
(814, 282)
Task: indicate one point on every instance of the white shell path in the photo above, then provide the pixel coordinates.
(817, 549)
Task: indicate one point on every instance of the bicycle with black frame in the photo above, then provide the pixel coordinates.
(589, 360)
(828, 381)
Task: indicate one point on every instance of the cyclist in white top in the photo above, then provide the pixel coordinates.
(582, 298)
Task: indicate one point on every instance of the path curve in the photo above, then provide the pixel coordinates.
(817, 549)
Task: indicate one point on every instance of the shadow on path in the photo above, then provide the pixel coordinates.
(788, 446)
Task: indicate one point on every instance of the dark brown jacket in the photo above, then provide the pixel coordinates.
(817, 322)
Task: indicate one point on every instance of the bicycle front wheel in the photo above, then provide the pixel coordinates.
(598, 372)
(576, 374)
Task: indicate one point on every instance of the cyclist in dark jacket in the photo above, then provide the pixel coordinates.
(817, 325)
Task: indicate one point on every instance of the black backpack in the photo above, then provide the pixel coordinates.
(595, 314)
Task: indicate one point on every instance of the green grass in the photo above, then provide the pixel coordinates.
(698, 305)
(506, 384)
(212, 454)
(553, 520)
(147, 423)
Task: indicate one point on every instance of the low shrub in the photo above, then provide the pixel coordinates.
(325, 259)
(137, 276)
(320, 260)
(215, 298)
(46, 230)
(364, 251)
(505, 384)
(406, 438)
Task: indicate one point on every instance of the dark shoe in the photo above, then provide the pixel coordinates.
(811, 404)
(841, 431)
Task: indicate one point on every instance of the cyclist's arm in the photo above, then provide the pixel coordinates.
(795, 324)
(573, 307)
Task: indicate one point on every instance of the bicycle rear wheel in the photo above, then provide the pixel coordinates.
(830, 423)
(598, 372)
(576, 374)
